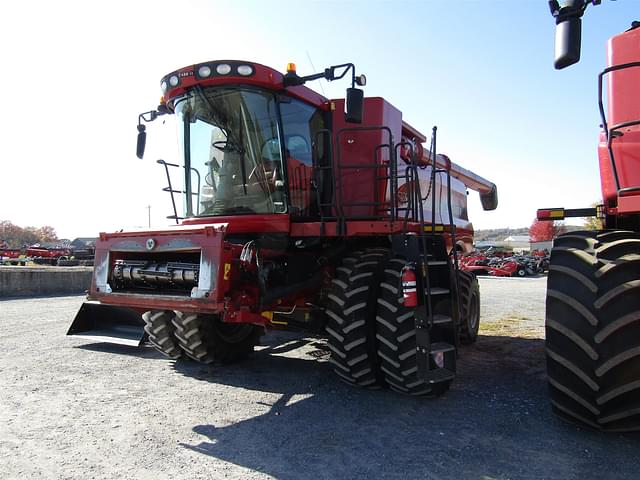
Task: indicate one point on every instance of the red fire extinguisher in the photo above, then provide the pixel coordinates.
(409, 291)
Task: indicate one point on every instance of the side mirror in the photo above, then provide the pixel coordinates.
(354, 105)
(568, 38)
(142, 140)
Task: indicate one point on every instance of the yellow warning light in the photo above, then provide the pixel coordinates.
(163, 100)
(291, 68)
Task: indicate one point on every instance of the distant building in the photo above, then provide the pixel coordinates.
(489, 243)
(548, 245)
(81, 242)
(517, 242)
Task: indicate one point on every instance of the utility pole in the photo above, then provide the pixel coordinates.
(149, 210)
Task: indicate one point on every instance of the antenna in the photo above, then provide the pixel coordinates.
(314, 71)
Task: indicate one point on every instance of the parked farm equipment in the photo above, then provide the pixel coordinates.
(13, 256)
(80, 252)
(299, 212)
(47, 253)
(593, 289)
(486, 263)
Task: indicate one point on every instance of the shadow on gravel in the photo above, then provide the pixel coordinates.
(494, 422)
(112, 348)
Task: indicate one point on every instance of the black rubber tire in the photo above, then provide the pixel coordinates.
(396, 335)
(160, 329)
(593, 329)
(350, 315)
(205, 339)
(469, 307)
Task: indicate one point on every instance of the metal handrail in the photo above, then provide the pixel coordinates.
(609, 131)
(171, 190)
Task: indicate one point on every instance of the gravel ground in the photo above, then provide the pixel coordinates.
(78, 410)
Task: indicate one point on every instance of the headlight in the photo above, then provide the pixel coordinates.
(204, 71)
(223, 69)
(245, 70)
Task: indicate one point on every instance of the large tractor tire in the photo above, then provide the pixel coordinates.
(593, 329)
(350, 312)
(396, 335)
(206, 339)
(469, 307)
(160, 329)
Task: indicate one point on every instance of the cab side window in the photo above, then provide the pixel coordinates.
(301, 123)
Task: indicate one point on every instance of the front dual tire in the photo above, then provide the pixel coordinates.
(203, 338)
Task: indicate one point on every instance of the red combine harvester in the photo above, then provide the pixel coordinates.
(593, 289)
(303, 213)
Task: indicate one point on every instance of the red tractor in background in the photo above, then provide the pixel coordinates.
(593, 289)
(47, 253)
(299, 212)
(12, 256)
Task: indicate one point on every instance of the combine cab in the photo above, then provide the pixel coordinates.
(299, 212)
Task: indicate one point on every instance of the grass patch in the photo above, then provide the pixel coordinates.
(513, 325)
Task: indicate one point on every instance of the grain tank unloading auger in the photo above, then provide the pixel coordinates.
(299, 212)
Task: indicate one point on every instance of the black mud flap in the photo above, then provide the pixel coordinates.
(108, 324)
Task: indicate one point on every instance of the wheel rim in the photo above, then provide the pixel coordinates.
(474, 313)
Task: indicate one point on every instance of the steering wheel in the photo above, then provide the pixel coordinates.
(228, 146)
(222, 145)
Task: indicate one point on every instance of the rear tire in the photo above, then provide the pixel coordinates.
(593, 329)
(469, 307)
(350, 318)
(160, 329)
(397, 337)
(205, 339)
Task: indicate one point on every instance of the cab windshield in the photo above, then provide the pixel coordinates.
(231, 151)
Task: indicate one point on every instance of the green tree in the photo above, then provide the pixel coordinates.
(593, 223)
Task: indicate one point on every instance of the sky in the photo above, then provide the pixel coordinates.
(76, 74)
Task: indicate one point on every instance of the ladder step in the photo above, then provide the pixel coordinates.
(443, 347)
(436, 262)
(441, 319)
(439, 291)
(439, 375)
